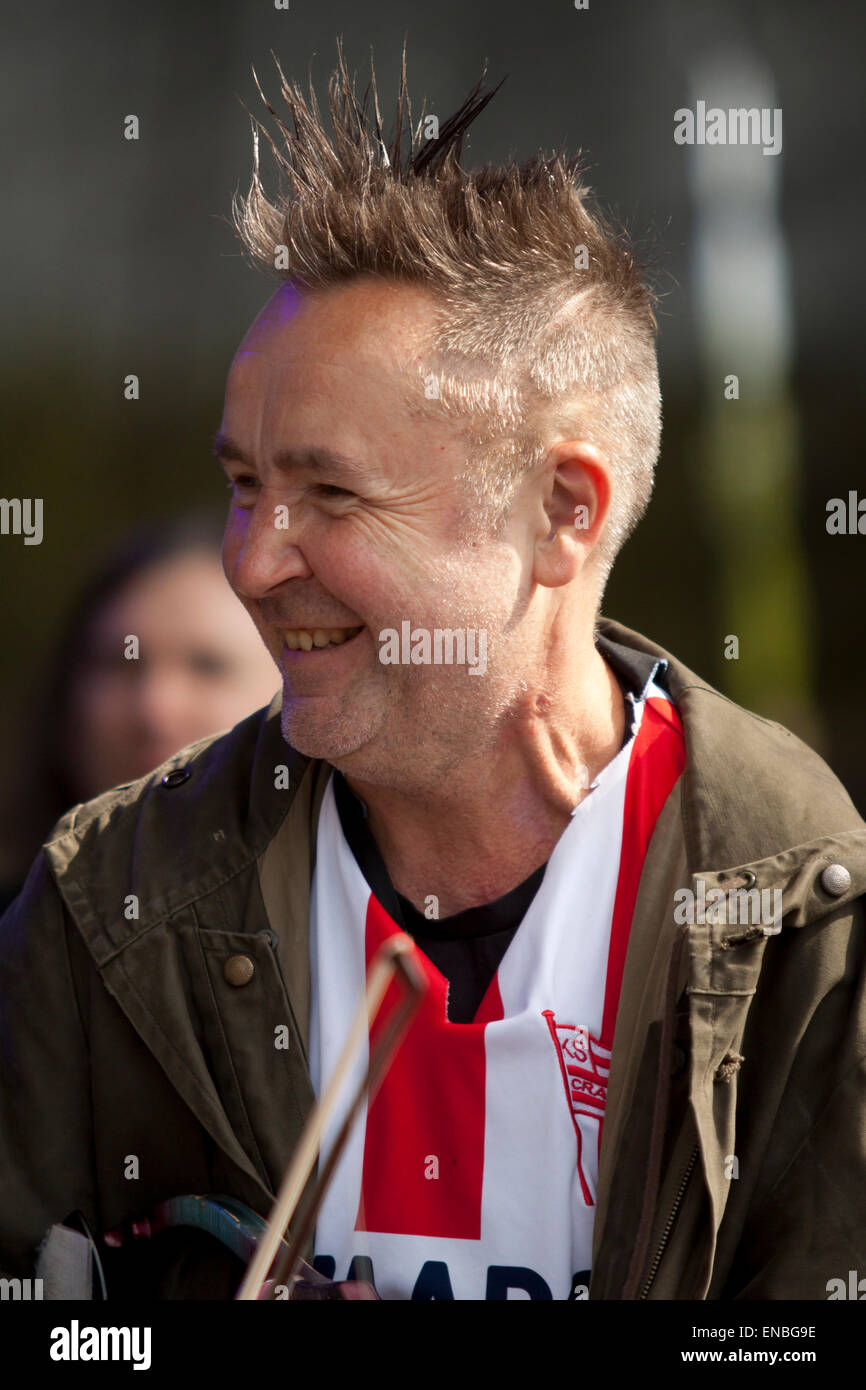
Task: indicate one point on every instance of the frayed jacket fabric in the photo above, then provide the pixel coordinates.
(733, 1161)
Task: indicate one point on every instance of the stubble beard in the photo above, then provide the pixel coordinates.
(316, 734)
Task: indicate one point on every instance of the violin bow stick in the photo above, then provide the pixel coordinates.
(395, 956)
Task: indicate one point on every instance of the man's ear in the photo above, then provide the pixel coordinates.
(576, 493)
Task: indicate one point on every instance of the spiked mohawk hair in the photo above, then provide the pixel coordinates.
(544, 328)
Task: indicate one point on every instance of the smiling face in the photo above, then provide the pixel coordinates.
(347, 521)
(364, 544)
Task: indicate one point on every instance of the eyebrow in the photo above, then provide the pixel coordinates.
(312, 458)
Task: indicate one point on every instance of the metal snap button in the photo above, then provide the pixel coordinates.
(835, 880)
(176, 777)
(238, 970)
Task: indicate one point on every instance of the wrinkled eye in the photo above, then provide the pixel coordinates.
(331, 490)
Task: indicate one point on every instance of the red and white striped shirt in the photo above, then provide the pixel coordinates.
(473, 1173)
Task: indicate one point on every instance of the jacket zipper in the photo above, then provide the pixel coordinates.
(653, 1270)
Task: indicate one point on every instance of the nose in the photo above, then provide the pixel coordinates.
(261, 549)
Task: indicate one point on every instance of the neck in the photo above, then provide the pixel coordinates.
(501, 812)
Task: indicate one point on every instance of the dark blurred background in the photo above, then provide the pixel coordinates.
(118, 258)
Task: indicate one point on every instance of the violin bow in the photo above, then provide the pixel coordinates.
(396, 956)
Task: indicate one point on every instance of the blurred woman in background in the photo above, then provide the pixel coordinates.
(105, 715)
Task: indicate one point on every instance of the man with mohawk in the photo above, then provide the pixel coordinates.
(446, 419)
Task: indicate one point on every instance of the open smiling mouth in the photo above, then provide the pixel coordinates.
(318, 639)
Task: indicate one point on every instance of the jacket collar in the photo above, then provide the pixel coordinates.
(757, 800)
(176, 835)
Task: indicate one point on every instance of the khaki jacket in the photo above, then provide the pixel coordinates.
(733, 1162)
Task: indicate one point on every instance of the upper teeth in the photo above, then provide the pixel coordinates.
(304, 639)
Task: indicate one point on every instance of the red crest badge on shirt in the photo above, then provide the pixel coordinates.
(584, 1064)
